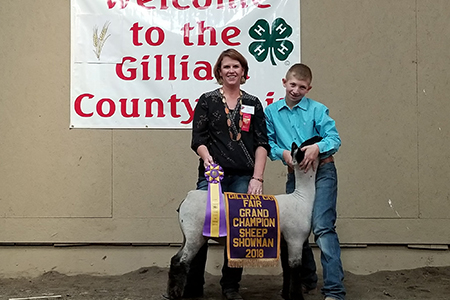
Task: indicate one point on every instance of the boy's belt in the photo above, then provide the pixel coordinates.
(321, 163)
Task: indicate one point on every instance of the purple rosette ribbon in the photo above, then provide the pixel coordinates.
(215, 218)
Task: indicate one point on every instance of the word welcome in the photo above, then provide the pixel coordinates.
(164, 4)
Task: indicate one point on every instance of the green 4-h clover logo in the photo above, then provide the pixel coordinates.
(274, 42)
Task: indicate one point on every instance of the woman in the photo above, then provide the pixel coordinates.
(228, 129)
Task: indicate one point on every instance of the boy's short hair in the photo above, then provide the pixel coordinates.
(300, 72)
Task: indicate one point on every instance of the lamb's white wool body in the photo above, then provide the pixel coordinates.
(295, 213)
(192, 218)
(295, 224)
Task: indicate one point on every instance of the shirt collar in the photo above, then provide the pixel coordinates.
(302, 104)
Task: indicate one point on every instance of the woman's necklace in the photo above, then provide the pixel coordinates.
(231, 116)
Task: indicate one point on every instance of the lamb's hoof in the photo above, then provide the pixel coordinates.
(166, 296)
(194, 293)
(309, 291)
(232, 294)
(296, 296)
(284, 295)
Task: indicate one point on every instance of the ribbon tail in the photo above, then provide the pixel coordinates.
(223, 216)
(207, 225)
(215, 218)
(215, 209)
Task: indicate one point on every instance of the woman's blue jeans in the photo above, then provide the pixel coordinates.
(230, 276)
(324, 229)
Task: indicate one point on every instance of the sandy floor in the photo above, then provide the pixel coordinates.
(150, 283)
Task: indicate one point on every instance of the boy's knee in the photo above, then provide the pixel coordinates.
(320, 230)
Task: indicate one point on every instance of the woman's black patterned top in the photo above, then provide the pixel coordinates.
(210, 128)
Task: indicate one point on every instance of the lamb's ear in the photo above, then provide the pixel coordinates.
(299, 156)
(311, 141)
(293, 148)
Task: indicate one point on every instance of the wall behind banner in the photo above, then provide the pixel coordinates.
(380, 66)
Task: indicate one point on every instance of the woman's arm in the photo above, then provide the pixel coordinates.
(255, 185)
(203, 152)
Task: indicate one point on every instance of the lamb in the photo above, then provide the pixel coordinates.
(295, 212)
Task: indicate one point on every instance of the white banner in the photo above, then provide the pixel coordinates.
(145, 63)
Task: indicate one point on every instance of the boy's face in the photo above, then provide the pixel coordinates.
(296, 89)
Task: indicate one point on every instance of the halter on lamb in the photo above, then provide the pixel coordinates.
(295, 212)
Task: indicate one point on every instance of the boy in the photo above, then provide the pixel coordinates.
(296, 119)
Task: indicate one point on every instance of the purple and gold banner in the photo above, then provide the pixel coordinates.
(253, 238)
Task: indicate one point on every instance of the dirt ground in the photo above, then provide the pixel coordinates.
(150, 283)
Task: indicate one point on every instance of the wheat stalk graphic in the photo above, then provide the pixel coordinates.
(99, 41)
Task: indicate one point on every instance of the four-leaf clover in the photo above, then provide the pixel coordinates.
(270, 41)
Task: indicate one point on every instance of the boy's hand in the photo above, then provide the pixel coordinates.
(287, 158)
(311, 153)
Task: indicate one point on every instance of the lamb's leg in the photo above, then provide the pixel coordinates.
(286, 270)
(177, 276)
(295, 288)
(293, 285)
(179, 268)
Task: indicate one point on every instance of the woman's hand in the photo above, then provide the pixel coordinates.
(203, 152)
(255, 186)
(207, 161)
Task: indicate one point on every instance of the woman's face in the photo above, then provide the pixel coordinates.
(231, 71)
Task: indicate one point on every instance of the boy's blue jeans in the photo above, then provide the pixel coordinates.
(230, 276)
(324, 230)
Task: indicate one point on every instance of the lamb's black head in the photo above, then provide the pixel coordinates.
(298, 155)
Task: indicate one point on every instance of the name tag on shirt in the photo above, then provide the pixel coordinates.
(246, 118)
(248, 109)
